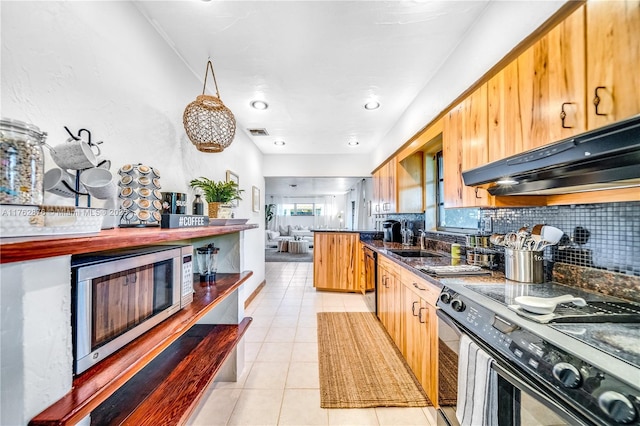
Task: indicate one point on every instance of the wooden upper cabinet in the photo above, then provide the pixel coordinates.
(539, 98)
(390, 187)
(410, 177)
(464, 147)
(384, 187)
(613, 61)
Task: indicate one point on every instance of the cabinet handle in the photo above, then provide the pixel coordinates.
(413, 308)
(377, 207)
(418, 287)
(477, 193)
(563, 113)
(420, 316)
(596, 99)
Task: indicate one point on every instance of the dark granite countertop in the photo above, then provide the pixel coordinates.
(443, 259)
(357, 231)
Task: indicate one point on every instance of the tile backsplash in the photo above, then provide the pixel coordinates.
(603, 236)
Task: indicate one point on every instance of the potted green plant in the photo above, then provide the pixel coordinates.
(217, 193)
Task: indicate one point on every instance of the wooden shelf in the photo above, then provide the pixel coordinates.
(94, 386)
(19, 249)
(168, 389)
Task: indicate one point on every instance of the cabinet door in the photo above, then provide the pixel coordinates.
(413, 337)
(383, 296)
(391, 188)
(377, 191)
(335, 261)
(613, 60)
(464, 143)
(529, 97)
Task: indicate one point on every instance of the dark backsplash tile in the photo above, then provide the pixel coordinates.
(602, 236)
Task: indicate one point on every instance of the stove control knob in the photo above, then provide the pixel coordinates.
(445, 298)
(617, 406)
(457, 305)
(567, 374)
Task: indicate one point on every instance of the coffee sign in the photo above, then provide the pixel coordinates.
(183, 221)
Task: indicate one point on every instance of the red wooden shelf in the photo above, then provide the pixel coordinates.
(168, 389)
(28, 248)
(94, 386)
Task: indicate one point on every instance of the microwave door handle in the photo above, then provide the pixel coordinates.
(83, 331)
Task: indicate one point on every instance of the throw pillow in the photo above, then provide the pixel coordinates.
(283, 231)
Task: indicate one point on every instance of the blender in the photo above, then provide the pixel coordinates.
(207, 263)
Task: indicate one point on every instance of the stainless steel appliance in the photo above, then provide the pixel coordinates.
(603, 158)
(391, 229)
(578, 366)
(120, 294)
(370, 277)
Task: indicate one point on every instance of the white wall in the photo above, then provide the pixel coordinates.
(484, 46)
(318, 165)
(101, 66)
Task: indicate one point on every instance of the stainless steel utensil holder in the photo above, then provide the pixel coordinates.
(523, 265)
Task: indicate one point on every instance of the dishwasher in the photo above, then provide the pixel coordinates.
(370, 277)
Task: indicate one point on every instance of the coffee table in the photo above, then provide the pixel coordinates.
(298, 246)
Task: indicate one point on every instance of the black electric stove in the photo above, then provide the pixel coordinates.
(589, 356)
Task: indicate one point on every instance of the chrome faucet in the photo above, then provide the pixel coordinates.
(423, 239)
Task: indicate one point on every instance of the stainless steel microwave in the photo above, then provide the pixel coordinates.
(120, 294)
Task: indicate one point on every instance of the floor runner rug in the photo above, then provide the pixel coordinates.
(360, 366)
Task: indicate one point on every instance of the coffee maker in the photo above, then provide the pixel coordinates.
(392, 232)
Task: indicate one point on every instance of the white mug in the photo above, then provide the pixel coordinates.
(75, 155)
(54, 182)
(100, 183)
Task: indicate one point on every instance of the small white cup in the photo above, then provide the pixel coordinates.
(54, 182)
(75, 155)
(100, 183)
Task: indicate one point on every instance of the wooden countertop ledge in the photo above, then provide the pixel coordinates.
(20, 249)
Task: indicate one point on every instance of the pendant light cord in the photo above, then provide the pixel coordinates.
(206, 73)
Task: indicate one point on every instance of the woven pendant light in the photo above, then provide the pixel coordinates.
(209, 124)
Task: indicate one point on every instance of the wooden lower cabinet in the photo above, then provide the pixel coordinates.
(406, 308)
(421, 334)
(336, 261)
(389, 300)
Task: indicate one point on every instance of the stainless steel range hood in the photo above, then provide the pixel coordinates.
(605, 158)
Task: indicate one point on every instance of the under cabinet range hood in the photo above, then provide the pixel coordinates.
(605, 158)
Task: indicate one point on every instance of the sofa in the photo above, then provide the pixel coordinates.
(288, 233)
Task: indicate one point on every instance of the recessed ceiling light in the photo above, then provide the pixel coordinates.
(259, 105)
(293, 185)
(278, 143)
(371, 105)
(354, 143)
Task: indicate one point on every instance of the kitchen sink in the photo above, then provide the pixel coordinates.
(414, 253)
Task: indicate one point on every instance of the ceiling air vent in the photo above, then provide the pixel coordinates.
(258, 132)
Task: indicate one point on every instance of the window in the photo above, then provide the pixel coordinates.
(464, 218)
(302, 209)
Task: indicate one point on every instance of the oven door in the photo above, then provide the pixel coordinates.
(521, 401)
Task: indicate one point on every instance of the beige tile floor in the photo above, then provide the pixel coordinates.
(279, 385)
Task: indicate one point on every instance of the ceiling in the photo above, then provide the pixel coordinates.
(307, 187)
(316, 63)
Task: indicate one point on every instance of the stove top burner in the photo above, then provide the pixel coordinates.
(599, 308)
(593, 312)
(620, 340)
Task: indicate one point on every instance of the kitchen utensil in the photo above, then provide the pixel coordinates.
(496, 239)
(551, 234)
(523, 265)
(546, 305)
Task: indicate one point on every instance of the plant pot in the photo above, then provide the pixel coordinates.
(214, 209)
